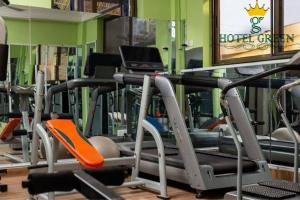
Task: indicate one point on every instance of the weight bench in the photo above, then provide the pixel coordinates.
(9, 128)
(66, 132)
(90, 182)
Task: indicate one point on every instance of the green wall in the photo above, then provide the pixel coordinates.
(42, 32)
(35, 3)
(154, 9)
(24, 67)
(192, 18)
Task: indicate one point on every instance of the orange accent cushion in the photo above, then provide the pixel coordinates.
(66, 132)
(10, 126)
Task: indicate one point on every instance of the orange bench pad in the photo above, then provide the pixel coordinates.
(66, 132)
(11, 125)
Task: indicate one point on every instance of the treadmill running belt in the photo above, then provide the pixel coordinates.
(283, 185)
(221, 163)
(267, 192)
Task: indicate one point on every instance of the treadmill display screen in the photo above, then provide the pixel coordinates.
(141, 58)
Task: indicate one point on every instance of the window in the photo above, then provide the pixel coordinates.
(252, 30)
(291, 18)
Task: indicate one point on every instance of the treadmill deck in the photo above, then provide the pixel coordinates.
(221, 163)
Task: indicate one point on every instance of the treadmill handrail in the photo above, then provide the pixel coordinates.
(281, 90)
(137, 79)
(95, 95)
(25, 91)
(258, 76)
(288, 125)
(72, 84)
(209, 82)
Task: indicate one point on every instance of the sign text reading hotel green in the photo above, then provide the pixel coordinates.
(261, 38)
(257, 14)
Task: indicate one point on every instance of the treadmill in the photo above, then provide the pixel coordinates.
(274, 189)
(278, 151)
(202, 170)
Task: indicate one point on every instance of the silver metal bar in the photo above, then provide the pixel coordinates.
(49, 152)
(252, 64)
(280, 91)
(190, 114)
(25, 148)
(240, 159)
(296, 146)
(144, 124)
(241, 119)
(3, 31)
(91, 116)
(113, 123)
(13, 157)
(127, 161)
(161, 157)
(150, 184)
(146, 96)
(64, 164)
(181, 133)
(100, 100)
(48, 146)
(122, 110)
(37, 116)
(24, 138)
(129, 184)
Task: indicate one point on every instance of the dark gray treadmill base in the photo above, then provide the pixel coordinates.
(221, 163)
(280, 153)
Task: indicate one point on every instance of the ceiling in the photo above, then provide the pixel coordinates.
(46, 14)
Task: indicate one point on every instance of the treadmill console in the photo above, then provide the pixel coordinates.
(102, 66)
(141, 59)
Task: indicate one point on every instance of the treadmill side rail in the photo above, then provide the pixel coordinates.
(242, 122)
(144, 124)
(181, 133)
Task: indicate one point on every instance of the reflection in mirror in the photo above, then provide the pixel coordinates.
(114, 7)
(22, 62)
(109, 7)
(139, 32)
(59, 65)
(18, 100)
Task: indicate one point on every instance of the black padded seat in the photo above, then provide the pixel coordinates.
(221, 163)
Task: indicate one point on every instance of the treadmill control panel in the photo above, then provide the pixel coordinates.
(140, 59)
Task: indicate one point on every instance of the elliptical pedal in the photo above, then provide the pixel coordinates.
(283, 185)
(267, 192)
